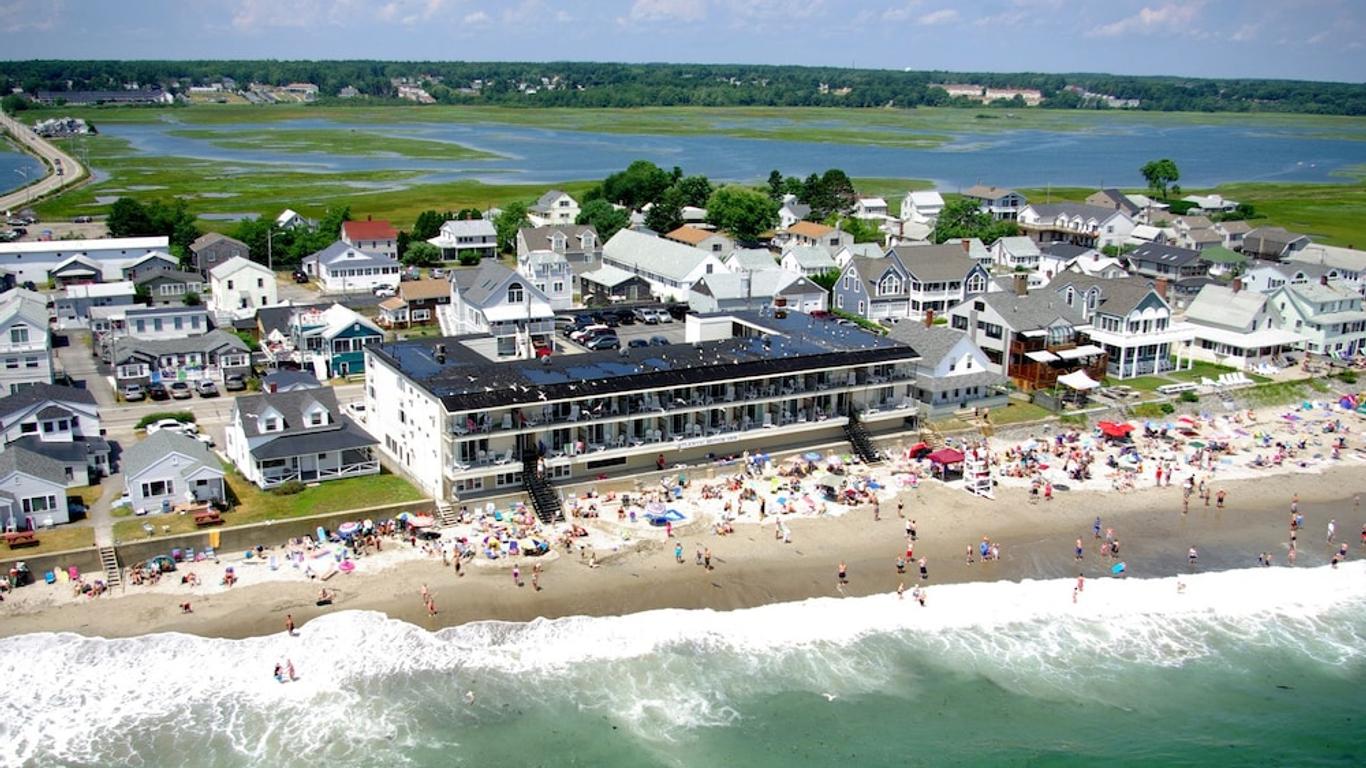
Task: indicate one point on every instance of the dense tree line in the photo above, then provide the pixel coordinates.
(587, 84)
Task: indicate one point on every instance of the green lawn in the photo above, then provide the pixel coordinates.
(60, 538)
(1282, 393)
(334, 140)
(257, 506)
(88, 494)
(1016, 412)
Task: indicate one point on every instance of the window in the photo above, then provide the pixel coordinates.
(11, 362)
(709, 269)
(18, 335)
(515, 293)
(270, 424)
(142, 326)
(156, 324)
(40, 504)
(28, 428)
(158, 488)
(317, 419)
(846, 282)
(977, 284)
(230, 285)
(260, 282)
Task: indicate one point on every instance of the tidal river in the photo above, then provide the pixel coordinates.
(1108, 154)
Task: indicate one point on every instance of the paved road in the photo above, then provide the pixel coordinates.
(72, 170)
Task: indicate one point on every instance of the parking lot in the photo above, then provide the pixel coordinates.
(673, 332)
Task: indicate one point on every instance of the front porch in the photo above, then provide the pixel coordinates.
(317, 467)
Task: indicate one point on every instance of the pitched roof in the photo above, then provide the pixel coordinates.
(27, 397)
(174, 275)
(232, 265)
(214, 341)
(1334, 256)
(1037, 309)
(539, 238)
(1118, 295)
(417, 290)
(1121, 201)
(17, 458)
(347, 436)
(339, 252)
(283, 378)
(751, 259)
(544, 202)
(1018, 245)
(211, 238)
(1074, 210)
(761, 284)
(1164, 254)
(935, 263)
(1220, 305)
(1269, 239)
(689, 234)
(278, 318)
(986, 192)
(163, 443)
(465, 228)
(376, 229)
(1065, 251)
(291, 406)
(654, 254)
(477, 286)
(932, 342)
(1234, 227)
(608, 275)
(810, 229)
(811, 257)
(25, 304)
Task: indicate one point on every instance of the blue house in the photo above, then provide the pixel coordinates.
(329, 342)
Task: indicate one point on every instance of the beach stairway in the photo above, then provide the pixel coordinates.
(542, 494)
(109, 560)
(861, 443)
(445, 514)
(931, 436)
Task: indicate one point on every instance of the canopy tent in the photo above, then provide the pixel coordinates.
(1111, 429)
(1079, 381)
(946, 456)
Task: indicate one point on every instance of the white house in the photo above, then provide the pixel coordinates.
(702, 239)
(168, 469)
(32, 491)
(1327, 315)
(751, 260)
(298, 435)
(923, 206)
(238, 287)
(791, 212)
(808, 260)
(1089, 225)
(477, 235)
(1016, 253)
(34, 260)
(870, 209)
(495, 300)
(554, 207)
(290, 219)
(343, 268)
(671, 268)
(1211, 203)
(952, 372)
(728, 292)
(25, 343)
(371, 236)
(1000, 203)
(1233, 326)
(1130, 319)
(62, 423)
(551, 274)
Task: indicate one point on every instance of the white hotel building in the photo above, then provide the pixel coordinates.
(459, 424)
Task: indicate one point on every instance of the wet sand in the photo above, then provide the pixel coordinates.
(751, 568)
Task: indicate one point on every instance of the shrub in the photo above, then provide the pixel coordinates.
(1350, 377)
(1167, 408)
(181, 416)
(470, 258)
(1189, 397)
(288, 488)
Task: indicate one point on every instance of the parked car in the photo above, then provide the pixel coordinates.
(637, 343)
(385, 291)
(588, 331)
(659, 341)
(235, 383)
(133, 393)
(543, 349)
(207, 388)
(83, 219)
(300, 276)
(180, 390)
(157, 391)
(625, 316)
(205, 439)
(438, 273)
(173, 425)
(355, 410)
(667, 316)
(605, 341)
(645, 315)
(676, 311)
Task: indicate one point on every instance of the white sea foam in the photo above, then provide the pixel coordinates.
(87, 699)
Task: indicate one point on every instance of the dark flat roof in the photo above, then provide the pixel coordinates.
(468, 380)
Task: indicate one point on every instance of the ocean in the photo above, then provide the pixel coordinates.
(1239, 667)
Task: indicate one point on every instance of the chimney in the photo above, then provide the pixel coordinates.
(1237, 284)
(1021, 285)
(967, 245)
(929, 318)
(439, 352)
(1095, 256)
(1161, 287)
(1323, 279)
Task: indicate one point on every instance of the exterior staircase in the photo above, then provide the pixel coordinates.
(109, 560)
(542, 494)
(931, 436)
(445, 514)
(861, 443)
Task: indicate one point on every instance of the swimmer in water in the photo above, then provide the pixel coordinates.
(469, 697)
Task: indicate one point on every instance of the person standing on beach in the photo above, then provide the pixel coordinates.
(289, 624)
(901, 591)
(1079, 551)
(877, 511)
(842, 574)
(1095, 527)
(1081, 583)
(1332, 530)
(910, 530)
(900, 508)
(924, 570)
(516, 575)
(969, 555)
(1219, 498)
(1192, 555)
(678, 552)
(900, 564)
(706, 558)
(536, 577)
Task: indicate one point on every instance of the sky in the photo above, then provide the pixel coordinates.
(1296, 39)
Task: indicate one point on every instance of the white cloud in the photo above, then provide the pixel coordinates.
(39, 15)
(477, 19)
(667, 10)
(1318, 38)
(1245, 33)
(1168, 17)
(904, 12)
(256, 14)
(941, 16)
(778, 10)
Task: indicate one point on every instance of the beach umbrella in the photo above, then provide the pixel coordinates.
(835, 459)
(828, 480)
(421, 521)
(1196, 444)
(655, 508)
(812, 456)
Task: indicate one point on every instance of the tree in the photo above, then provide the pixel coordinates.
(962, 218)
(741, 211)
(666, 214)
(793, 186)
(469, 258)
(827, 279)
(128, 218)
(775, 184)
(507, 222)
(13, 103)
(142, 294)
(428, 225)
(1160, 175)
(422, 254)
(192, 299)
(642, 182)
(603, 218)
(693, 190)
(467, 214)
(863, 231)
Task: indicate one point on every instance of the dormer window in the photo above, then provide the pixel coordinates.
(270, 424)
(317, 418)
(18, 335)
(515, 293)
